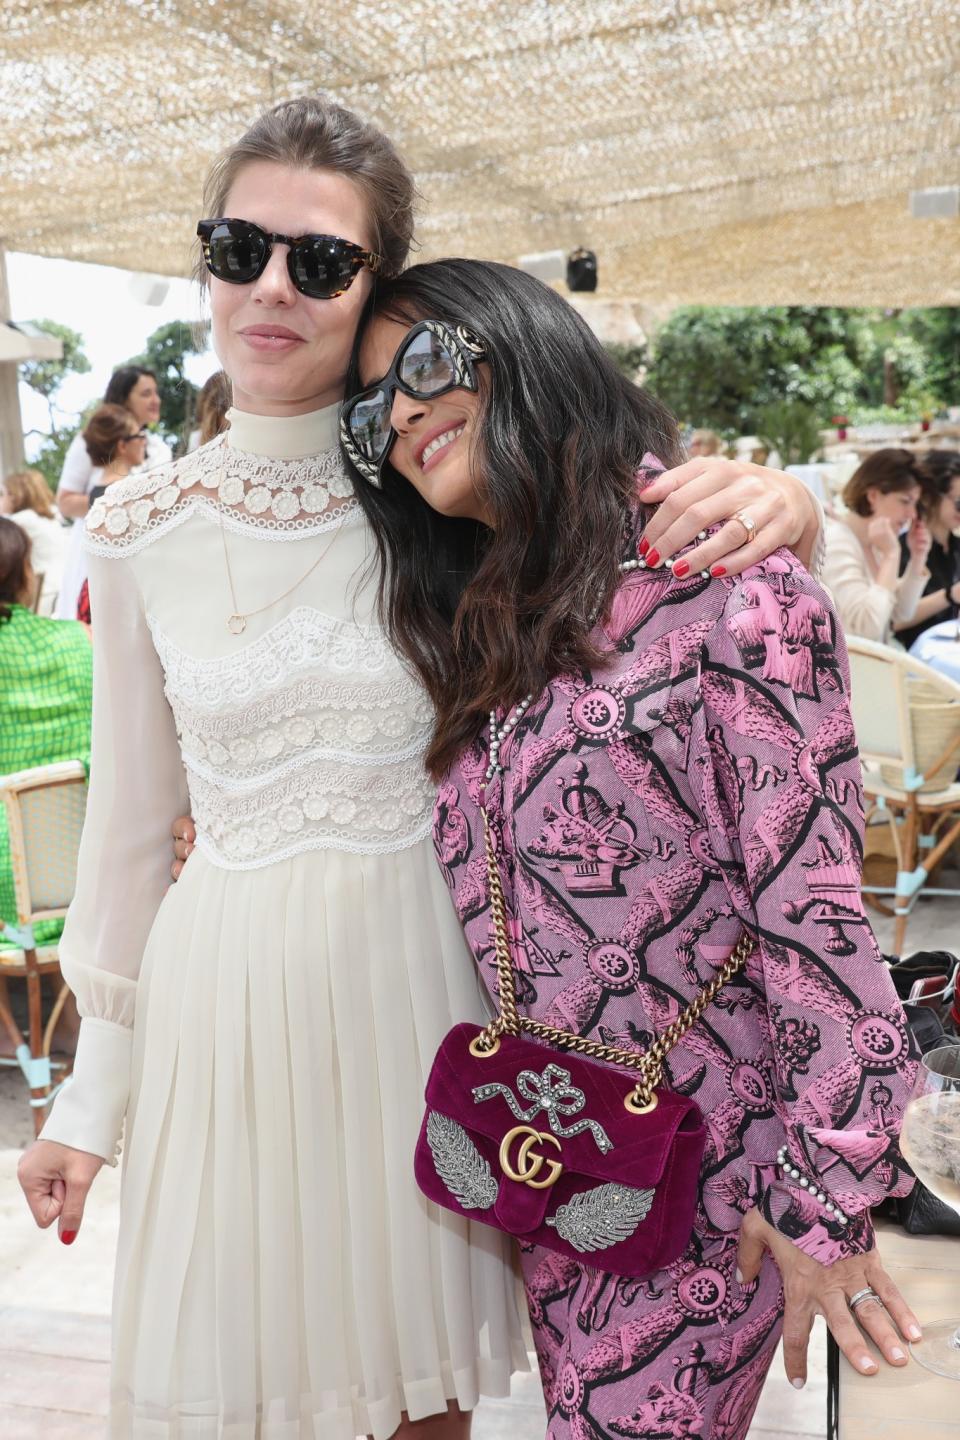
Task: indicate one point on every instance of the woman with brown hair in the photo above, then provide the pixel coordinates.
(862, 562)
(213, 402)
(262, 1029)
(25, 497)
(132, 388)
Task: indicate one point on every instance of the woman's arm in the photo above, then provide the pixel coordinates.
(75, 479)
(137, 782)
(929, 605)
(707, 492)
(790, 845)
(865, 605)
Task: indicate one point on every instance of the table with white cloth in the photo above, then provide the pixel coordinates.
(940, 648)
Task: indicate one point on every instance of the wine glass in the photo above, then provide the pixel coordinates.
(930, 1142)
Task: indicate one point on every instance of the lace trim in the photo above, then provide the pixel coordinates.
(391, 703)
(316, 842)
(329, 807)
(276, 499)
(263, 775)
(304, 639)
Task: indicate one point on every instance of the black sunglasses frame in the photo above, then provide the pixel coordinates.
(464, 349)
(347, 250)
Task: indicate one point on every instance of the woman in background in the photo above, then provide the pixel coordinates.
(25, 496)
(135, 389)
(213, 402)
(116, 446)
(939, 472)
(46, 682)
(861, 567)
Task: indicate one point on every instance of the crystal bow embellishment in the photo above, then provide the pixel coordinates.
(551, 1092)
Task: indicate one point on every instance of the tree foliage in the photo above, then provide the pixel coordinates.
(741, 370)
(46, 376)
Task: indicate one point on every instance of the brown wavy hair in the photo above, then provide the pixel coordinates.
(886, 470)
(106, 428)
(312, 133)
(484, 616)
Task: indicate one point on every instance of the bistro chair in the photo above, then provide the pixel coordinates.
(907, 719)
(45, 808)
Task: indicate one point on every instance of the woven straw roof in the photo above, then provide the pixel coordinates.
(709, 151)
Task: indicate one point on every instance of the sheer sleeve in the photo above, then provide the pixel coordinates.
(783, 808)
(137, 788)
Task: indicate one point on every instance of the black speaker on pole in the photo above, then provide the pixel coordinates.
(582, 269)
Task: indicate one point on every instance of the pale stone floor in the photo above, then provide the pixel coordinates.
(55, 1302)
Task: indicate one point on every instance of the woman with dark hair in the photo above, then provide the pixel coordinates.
(46, 676)
(667, 764)
(861, 565)
(134, 389)
(939, 475)
(260, 1031)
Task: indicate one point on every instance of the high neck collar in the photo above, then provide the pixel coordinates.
(284, 437)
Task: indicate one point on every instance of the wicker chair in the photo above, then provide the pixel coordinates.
(45, 810)
(907, 719)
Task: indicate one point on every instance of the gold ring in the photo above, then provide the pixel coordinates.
(748, 524)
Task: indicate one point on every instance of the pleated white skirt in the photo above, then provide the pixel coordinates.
(279, 1275)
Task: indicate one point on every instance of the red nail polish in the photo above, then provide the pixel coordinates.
(717, 570)
(680, 569)
(68, 1236)
(644, 545)
(653, 558)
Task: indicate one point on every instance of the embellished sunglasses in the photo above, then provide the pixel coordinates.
(431, 360)
(321, 266)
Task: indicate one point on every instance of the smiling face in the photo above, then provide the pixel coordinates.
(143, 402)
(285, 353)
(436, 443)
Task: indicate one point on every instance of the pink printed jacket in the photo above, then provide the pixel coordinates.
(703, 781)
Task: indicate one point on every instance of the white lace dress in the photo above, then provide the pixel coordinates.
(266, 1025)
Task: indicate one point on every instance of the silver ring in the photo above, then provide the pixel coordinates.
(862, 1296)
(748, 524)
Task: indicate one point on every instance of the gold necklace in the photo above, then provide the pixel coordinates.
(237, 619)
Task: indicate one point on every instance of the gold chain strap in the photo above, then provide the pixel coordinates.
(511, 1022)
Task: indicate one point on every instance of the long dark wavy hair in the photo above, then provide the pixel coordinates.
(484, 616)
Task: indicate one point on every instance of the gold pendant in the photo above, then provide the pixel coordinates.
(236, 624)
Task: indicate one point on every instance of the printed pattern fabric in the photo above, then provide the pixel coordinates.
(703, 780)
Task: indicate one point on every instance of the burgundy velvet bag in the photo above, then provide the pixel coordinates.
(600, 1164)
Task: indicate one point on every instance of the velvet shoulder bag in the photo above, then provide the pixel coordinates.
(599, 1162)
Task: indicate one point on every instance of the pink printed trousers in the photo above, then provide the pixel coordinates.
(680, 1356)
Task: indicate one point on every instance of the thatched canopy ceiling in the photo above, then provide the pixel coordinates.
(717, 152)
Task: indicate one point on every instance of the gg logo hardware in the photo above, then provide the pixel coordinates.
(529, 1161)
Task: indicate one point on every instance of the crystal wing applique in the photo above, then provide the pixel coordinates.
(459, 1163)
(599, 1218)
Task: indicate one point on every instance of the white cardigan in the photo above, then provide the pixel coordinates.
(865, 608)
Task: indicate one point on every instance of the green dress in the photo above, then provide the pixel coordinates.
(46, 687)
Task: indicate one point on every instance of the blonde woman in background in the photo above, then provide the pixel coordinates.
(25, 497)
(862, 562)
